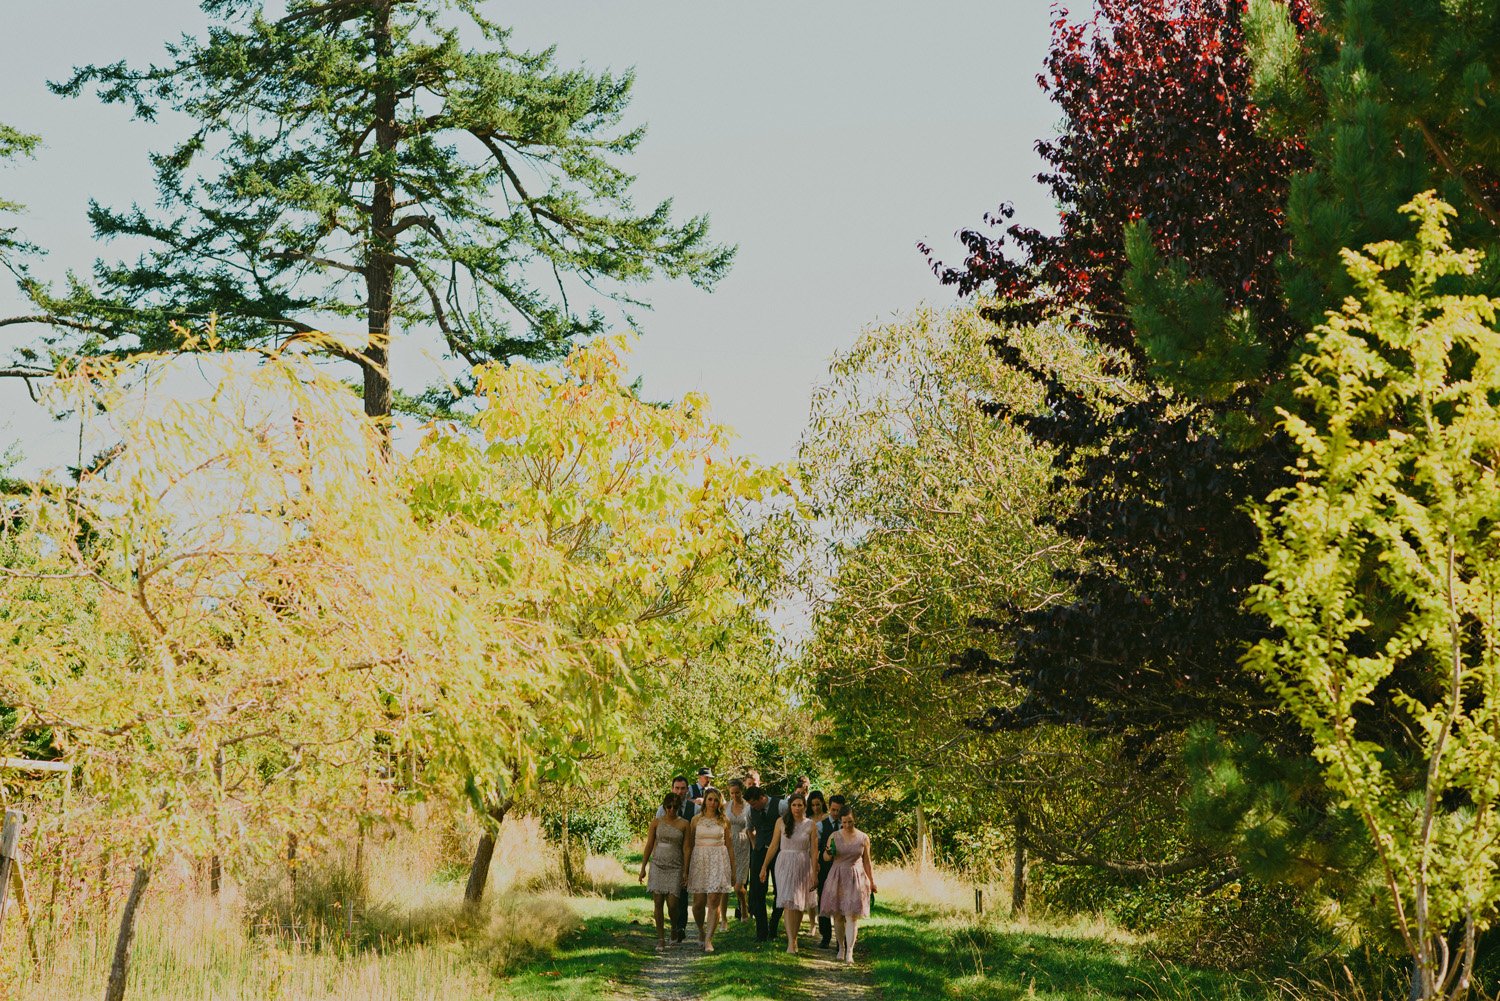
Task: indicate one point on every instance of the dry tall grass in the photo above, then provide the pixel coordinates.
(419, 944)
(948, 897)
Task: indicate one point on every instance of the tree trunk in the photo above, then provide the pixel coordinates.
(119, 967)
(922, 839)
(567, 853)
(1018, 875)
(380, 272)
(215, 866)
(479, 872)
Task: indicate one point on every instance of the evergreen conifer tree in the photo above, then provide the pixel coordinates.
(358, 160)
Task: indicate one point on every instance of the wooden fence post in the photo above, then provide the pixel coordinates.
(1018, 876)
(10, 835)
(11, 878)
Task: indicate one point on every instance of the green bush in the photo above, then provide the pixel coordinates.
(605, 829)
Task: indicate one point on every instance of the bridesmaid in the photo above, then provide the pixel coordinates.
(739, 815)
(664, 850)
(817, 812)
(851, 880)
(792, 846)
(710, 865)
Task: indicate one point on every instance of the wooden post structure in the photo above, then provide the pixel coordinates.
(923, 840)
(11, 876)
(1018, 876)
(10, 836)
(978, 900)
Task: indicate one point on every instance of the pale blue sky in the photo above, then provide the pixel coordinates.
(825, 138)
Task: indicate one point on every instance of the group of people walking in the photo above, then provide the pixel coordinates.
(805, 847)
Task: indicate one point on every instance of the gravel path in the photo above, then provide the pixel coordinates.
(671, 976)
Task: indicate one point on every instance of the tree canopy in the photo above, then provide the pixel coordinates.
(363, 161)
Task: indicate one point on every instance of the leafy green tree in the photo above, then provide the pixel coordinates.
(627, 524)
(354, 159)
(936, 515)
(1397, 492)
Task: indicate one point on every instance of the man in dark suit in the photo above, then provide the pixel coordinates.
(765, 813)
(697, 789)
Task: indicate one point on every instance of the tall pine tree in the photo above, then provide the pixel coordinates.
(356, 160)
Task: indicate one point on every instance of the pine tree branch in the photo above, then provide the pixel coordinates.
(335, 7)
(1151, 870)
(302, 255)
(1475, 195)
(55, 321)
(449, 334)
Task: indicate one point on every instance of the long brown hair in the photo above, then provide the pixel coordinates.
(789, 820)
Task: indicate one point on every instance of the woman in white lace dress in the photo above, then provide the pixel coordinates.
(710, 865)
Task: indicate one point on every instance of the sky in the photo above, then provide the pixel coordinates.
(825, 138)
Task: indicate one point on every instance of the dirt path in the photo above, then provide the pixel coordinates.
(670, 976)
(823, 976)
(674, 976)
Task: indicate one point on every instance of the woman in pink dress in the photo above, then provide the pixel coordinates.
(851, 880)
(793, 847)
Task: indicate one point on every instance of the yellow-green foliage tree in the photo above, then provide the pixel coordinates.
(251, 623)
(1397, 505)
(236, 627)
(625, 523)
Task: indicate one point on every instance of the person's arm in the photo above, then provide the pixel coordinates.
(771, 852)
(687, 847)
(812, 857)
(869, 869)
(650, 846)
(729, 841)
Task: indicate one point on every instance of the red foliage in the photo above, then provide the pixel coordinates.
(1159, 126)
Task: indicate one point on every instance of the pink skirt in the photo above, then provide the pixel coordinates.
(795, 890)
(847, 891)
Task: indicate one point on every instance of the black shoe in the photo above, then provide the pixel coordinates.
(824, 944)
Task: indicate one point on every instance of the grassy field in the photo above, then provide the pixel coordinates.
(534, 943)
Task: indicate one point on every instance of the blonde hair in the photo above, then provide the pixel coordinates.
(719, 814)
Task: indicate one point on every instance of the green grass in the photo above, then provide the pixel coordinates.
(613, 941)
(741, 969)
(917, 954)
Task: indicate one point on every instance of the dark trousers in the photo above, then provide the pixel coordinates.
(757, 894)
(680, 914)
(764, 928)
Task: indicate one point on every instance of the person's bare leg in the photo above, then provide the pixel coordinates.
(700, 900)
(661, 941)
(742, 899)
(715, 910)
(793, 920)
(838, 936)
(851, 932)
(672, 912)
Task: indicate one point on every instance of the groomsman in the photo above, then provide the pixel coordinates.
(826, 827)
(765, 813)
(697, 789)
